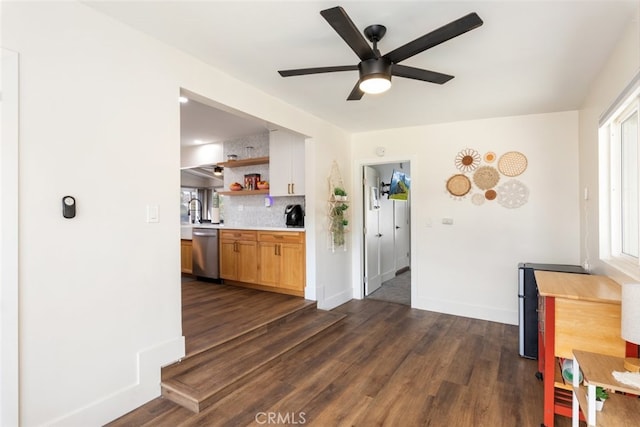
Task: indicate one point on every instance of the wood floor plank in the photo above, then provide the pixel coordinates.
(214, 313)
(198, 381)
(384, 364)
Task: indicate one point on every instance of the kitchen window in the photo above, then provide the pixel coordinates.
(619, 136)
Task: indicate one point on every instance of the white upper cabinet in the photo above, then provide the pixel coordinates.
(286, 163)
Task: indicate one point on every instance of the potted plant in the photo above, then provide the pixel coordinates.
(601, 396)
(339, 194)
(339, 210)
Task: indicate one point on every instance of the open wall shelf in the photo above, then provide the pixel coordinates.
(245, 162)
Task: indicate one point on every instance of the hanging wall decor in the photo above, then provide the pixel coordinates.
(467, 160)
(512, 163)
(458, 185)
(337, 215)
(485, 178)
(478, 199)
(489, 157)
(513, 194)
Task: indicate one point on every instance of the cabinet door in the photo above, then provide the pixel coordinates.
(286, 164)
(228, 260)
(292, 268)
(247, 261)
(186, 256)
(296, 162)
(269, 268)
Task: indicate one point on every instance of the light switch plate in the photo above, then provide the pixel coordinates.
(153, 213)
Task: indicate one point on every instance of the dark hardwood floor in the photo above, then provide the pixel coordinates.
(384, 364)
(214, 313)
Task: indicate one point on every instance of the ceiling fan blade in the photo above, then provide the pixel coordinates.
(318, 70)
(342, 24)
(356, 94)
(434, 38)
(419, 74)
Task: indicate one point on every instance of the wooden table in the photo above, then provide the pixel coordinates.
(619, 410)
(576, 311)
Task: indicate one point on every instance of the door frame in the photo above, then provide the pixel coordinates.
(357, 236)
(9, 223)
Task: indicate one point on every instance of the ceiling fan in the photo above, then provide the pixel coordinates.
(375, 69)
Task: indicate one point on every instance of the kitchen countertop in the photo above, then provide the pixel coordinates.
(186, 229)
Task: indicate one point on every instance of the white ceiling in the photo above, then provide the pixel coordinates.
(203, 124)
(529, 56)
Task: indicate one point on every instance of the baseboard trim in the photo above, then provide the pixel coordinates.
(149, 363)
(335, 300)
(403, 270)
(467, 310)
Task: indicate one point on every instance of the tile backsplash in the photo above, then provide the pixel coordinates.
(248, 146)
(250, 211)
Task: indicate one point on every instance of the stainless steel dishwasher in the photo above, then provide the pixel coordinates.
(205, 253)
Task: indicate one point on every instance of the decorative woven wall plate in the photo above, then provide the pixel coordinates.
(513, 194)
(512, 163)
(486, 177)
(458, 185)
(467, 160)
(490, 157)
(477, 199)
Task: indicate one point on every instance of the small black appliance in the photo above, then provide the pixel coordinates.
(294, 216)
(528, 302)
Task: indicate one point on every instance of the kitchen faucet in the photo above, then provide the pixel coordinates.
(193, 218)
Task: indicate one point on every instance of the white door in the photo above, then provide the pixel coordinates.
(402, 233)
(372, 236)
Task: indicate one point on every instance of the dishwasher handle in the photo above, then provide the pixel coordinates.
(205, 232)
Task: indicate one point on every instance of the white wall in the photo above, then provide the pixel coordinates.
(100, 294)
(623, 64)
(9, 291)
(470, 268)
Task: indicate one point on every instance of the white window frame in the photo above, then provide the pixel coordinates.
(610, 180)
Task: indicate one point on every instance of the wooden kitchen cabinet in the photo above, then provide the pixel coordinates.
(286, 164)
(239, 255)
(186, 260)
(281, 261)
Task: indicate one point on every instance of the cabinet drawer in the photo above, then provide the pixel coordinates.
(281, 237)
(238, 235)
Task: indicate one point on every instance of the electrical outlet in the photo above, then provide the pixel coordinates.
(447, 221)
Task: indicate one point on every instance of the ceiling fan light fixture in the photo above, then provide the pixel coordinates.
(375, 75)
(375, 84)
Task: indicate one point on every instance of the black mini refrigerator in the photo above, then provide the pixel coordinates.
(528, 303)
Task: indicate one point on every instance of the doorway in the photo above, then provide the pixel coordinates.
(387, 233)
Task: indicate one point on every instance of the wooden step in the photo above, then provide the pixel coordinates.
(213, 313)
(201, 380)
